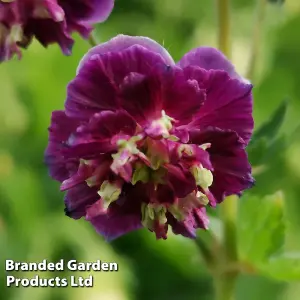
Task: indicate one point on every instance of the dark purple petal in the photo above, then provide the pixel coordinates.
(196, 157)
(91, 91)
(84, 172)
(197, 218)
(107, 124)
(98, 82)
(181, 133)
(139, 97)
(228, 103)
(51, 7)
(165, 194)
(9, 39)
(232, 171)
(122, 165)
(61, 127)
(165, 89)
(201, 218)
(181, 180)
(208, 58)
(115, 226)
(160, 230)
(88, 149)
(47, 32)
(95, 171)
(124, 215)
(95, 210)
(100, 135)
(92, 11)
(181, 96)
(78, 198)
(122, 42)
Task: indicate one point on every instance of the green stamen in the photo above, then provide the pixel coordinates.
(109, 192)
(203, 177)
(141, 173)
(152, 213)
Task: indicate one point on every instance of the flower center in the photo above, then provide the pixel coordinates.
(161, 127)
(147, 157)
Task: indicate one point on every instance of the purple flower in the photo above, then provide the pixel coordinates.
(147, 142)
(49, 21)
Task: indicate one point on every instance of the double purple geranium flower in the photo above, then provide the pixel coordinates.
(49, 21)
(147, 142)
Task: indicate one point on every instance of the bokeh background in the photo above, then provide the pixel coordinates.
(32, 222)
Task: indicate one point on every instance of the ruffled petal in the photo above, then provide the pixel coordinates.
(165, 194)
(99, 135)
(181, 180)
(113, 227)
(197, 218)
(47, 32)
(166, 89)
(208, 58)
(91, 91)
(92, 11)
(122, 42)
(124, 215)
(10, 30)
(78, 198)
(228, 103)
(139, 99)
(105, 125)
(61, 127)
(94, 172)
(181, 96)
(232, 171)
(99, 80)
(101, 10)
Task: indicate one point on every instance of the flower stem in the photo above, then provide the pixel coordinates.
(205, 251)
(209, 248)
(224, 287)
(223, 13)
(92, 40)
(256, 39)
(225, 279)
(228, 214)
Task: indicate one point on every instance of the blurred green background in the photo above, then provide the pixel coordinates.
(32, 222)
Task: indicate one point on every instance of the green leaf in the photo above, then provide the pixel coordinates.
(257, 151)
(261, 227)
(265, 145)
(270, 129)
(284, 267)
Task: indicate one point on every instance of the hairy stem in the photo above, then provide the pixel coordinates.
(92, 40)
(228, 214)
(223, 15)
(256, 39)
(205, 251)
(224, 287)
(225, 281)
(209, 247)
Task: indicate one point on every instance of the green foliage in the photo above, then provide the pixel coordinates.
(261, 227)
(261, 237)
(284, 267)
(265, 143)
(270, 129)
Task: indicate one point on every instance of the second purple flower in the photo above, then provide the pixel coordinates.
(145, 142)
(49, 21)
